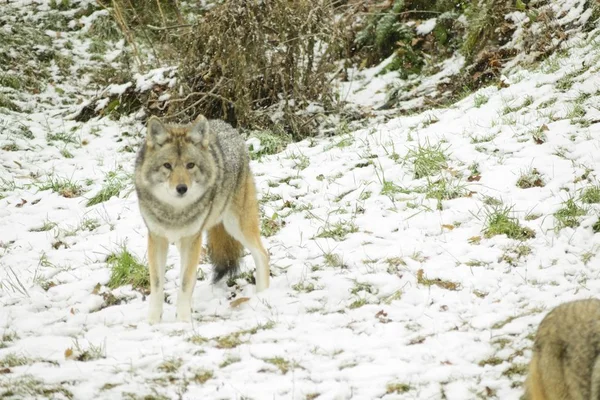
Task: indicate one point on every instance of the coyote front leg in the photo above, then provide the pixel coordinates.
(189, 250)
(157, 259)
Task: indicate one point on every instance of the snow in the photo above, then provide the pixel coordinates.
(117, 89)
(345, 317)
(426, 27)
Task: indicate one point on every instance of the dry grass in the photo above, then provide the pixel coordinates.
(249, 61)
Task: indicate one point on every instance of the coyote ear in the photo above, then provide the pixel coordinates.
(198, 133)
(157, 133)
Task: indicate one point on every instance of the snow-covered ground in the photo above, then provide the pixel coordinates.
(379, 290)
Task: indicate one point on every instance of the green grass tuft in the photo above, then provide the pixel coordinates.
(270, 143)
(530, 178)
(444, 189)
(427, 159)
(281, 363)
(66, 137)
(171, 365)
(63, 186)
(126, 269)
(498, 222)
(338, 231)
(27, 386)
(590, 195)
(480, 100)
(114, 183)
(397, 388)
(568, 215)
(202, 376)
(13, 360)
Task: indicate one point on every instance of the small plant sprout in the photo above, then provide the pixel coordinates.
(427, 159)
(530, 178)
(568, 215)
(499, 222)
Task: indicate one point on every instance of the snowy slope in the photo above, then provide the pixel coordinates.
(378, 290)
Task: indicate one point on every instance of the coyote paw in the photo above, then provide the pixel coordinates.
(261, 286)
(155, 309)
(154, 317)
(184, 312)
(184, 316)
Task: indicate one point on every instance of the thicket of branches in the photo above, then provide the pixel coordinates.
(261, 64)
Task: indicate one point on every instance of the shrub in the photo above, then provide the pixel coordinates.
(258, 64)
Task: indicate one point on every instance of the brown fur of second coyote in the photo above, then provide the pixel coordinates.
(565, 363)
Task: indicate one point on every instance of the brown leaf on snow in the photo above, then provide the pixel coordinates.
(237, 302)
(475, 239)
(69, 354)
(96, 289)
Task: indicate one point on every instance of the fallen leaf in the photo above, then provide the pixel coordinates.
(449, 227)
(474, 178)
(96, 289)
(5, 371)
(22, 203)
(69, 354)
(474, 239)
(237, 302)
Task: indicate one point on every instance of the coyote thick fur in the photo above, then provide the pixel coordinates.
(190, 179)
(565, 363)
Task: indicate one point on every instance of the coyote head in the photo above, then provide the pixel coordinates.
(178, 162)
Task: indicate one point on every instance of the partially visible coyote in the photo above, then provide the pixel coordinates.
(189, 179)
(565, 363)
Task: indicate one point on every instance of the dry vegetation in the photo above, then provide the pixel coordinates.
(270, 65)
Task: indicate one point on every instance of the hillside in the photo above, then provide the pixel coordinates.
(413, 252)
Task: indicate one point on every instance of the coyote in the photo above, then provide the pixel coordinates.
(190, 179)
(565, 363)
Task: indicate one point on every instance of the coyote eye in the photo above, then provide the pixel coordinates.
(167, 165)
(190, 165)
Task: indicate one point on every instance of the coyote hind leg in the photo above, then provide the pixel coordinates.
(247, 232)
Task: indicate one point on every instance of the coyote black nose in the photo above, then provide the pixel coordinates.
(181, 189)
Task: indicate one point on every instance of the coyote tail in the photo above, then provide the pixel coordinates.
(224, 252)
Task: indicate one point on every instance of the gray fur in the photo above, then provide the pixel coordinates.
(220, 167)
(157, 133)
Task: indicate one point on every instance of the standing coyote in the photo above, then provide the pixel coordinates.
(565, 363)
(190, 179)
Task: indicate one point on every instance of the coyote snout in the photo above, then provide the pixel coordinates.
(181, 189)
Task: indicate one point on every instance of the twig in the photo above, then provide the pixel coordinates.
(402, 13)
(165, 28)
(127, 33)
(204, 96)
(162, 14)
(19, 287)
